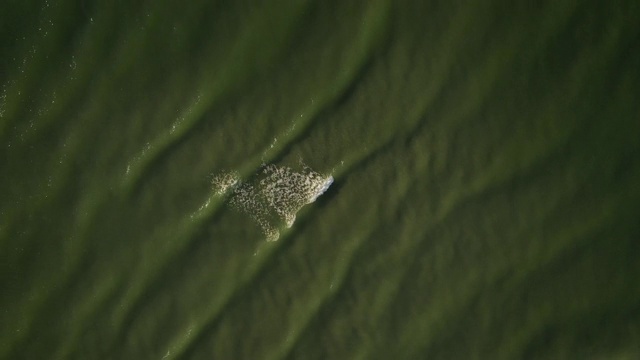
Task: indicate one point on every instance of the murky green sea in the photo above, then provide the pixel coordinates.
(475, 167)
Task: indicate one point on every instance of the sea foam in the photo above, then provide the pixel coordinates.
(274, 195)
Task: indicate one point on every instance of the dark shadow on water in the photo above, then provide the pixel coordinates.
(329, 195)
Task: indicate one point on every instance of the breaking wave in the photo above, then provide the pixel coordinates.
(273, 196)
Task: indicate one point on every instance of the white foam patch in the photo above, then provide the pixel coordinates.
(224, 181)
(273, 196)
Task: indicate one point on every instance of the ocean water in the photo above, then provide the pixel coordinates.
(319, 180)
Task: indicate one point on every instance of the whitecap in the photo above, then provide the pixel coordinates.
(272, 197)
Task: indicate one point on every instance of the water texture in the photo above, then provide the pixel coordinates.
(445, 180)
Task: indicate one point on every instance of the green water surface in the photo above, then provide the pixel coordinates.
(486, 165)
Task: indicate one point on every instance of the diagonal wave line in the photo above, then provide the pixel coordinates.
(130, 304)
(449, 211)
(245, 285)
(209, 95)
(372, 37)
(94, 200)
(560, 248)
(342, 85)
(347, 82)
(187, 350)
(357, 254)
(344, 273)
(86, 211)
(534, 168)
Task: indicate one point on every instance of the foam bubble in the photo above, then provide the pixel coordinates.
(223, 181)
(274, 195)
